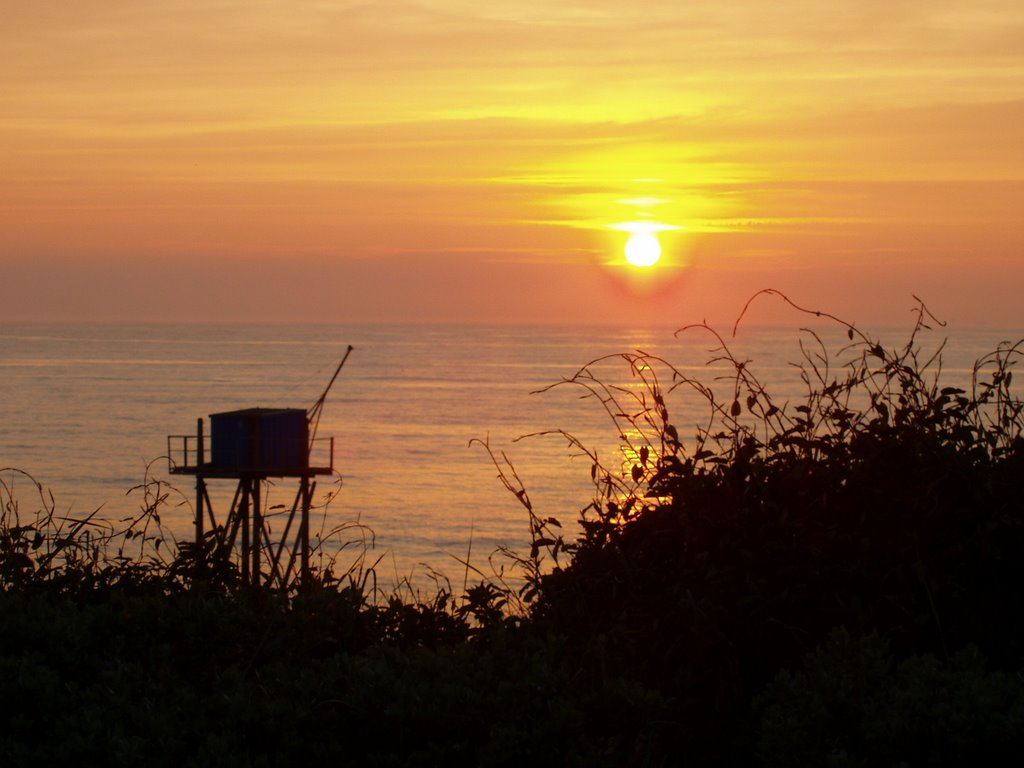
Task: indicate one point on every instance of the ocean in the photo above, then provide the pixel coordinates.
(86, 411)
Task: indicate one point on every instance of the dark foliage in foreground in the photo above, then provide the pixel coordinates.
(885, 503)
(813, 583)
(129, 680)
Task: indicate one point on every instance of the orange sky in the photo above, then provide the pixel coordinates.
(457, 160)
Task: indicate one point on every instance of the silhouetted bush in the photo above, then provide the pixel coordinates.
(851, 703)
(883, 502)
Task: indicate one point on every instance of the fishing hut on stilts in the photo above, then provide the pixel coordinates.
(249, 447)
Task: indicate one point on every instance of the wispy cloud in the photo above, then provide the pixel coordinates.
(510, 127)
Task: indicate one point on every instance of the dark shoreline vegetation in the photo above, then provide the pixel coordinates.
(828, 582)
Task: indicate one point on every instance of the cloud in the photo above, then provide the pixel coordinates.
(515, 129)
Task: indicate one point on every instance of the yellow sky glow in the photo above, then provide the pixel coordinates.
(307, 153)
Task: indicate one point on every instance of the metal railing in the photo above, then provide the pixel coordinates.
(186, 453)
(180, 448)
(321, 453)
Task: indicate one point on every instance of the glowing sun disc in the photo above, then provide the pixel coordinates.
(643, 249)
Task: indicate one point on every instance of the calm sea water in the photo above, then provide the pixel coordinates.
(86, 408)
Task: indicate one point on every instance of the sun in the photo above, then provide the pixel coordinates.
(643, 249)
